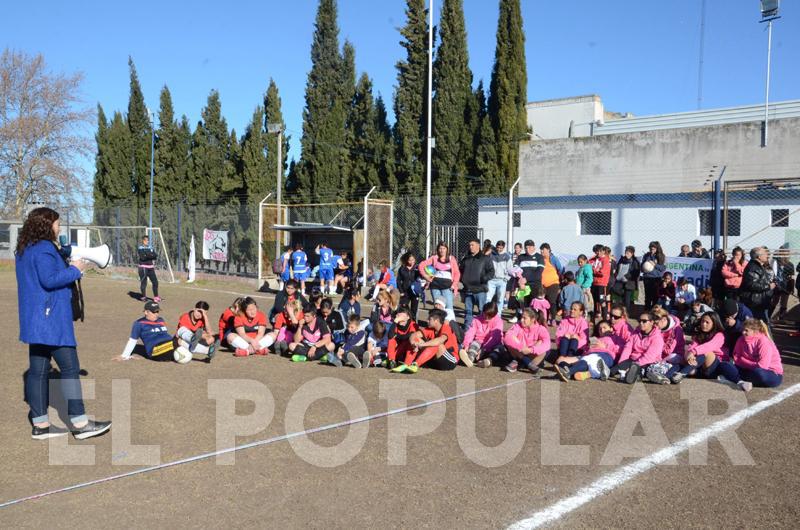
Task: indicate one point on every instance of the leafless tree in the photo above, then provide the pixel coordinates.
(43, 135)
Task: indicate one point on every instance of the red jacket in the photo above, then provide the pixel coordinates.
(601, 268)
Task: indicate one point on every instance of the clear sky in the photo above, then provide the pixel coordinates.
(639, 56)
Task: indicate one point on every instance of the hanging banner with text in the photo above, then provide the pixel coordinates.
(697, 271)
(215, 245)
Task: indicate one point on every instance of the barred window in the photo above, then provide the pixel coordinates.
(780, 217)
(707, 222)
(595, 223)
(517, 220)
(5, 236)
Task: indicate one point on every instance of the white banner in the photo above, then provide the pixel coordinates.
(192, 259)
(697, 271)
(215, 245)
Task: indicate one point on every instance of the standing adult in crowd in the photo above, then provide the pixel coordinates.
(626, 277)
(443, 275)
(45, 308)
(698, 252)
(531, 263)
(783, 272)
(552, 272)
(733, 272)
(408, 283)
(502, 262)
(686, 252)
(717, 281)
(488, 249)
(652, 278)
(476, 271)
(758, 284)
(147, 268)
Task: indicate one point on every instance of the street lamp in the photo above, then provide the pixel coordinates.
(277, 128)
(769, 12)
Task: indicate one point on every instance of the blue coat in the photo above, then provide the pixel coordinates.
(45, 296)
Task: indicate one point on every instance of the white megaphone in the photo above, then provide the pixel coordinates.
(100, 256)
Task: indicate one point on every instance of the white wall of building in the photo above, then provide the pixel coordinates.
(673, 224)
(550, 119)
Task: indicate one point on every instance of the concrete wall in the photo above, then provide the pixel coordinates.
(673, 223)
(669, 160)
(550, 119)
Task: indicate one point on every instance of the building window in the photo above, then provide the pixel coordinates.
(595, 223)
(707, 222)
(780, 217)
(517, 220)
(5, 236)
(73, 236)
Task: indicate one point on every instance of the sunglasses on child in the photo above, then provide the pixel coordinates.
(643, 320)
(615, 317)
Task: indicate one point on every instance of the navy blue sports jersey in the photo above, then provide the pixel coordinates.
(152, 335)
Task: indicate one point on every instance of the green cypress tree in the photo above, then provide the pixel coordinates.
(485, 153)
(384, 148)
(99, 185)
(452, 104)
(171, 156)
(508, 91)
(140, 130)
(319, 172)
(212, 171)
(361, 140)
(347, 99)
(273, 114)
(116, 162)
(410, 107)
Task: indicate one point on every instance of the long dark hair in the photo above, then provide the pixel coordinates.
(38, 226)
(716, 327)
(660, 257)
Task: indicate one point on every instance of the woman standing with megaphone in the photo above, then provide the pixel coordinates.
(44, 290)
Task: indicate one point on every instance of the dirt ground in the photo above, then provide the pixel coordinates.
(280, 484)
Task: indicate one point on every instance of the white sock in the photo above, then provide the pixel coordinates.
(266, 341)
(201, 349)
(237, 342)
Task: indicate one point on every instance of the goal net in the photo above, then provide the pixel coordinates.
(124, 242)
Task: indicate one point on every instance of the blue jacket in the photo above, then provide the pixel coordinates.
(45, 296)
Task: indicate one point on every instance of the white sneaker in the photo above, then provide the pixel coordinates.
(746, 386)
(513, 320)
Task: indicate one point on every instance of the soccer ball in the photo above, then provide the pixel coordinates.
(182, 355)
(648, 266)
(430, 270)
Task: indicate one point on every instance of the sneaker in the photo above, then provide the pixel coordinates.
(464, 356)
(262, 351)
(724, 381)
(563, 373)
(195, 339)
(746, 386)
(157, 299)
(484, 363)
(513, 320)
(582, 376)
(353, 360)
(297, 358)
(365, 358)
(657, 378)
(633, 373)
(511, 367)
(212, 350)
(391, 364)
(333, 360)
(91, 429)
(43, 433)
(241, 353)
(677, 378)
(604, 370)
(400, 368)
(412, 368)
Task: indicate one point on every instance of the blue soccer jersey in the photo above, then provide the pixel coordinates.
(299, 262)
(152, 334)
(326, 259)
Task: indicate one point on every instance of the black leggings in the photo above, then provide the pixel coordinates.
(412, 302)
(144, 274)
(650, 292)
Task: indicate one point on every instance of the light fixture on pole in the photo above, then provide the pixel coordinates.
(769, 12)
(277, 128)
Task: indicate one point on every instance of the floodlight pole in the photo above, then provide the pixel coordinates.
(152, 170)
(510, 242)
(429, 143)
(365, 249)
(766, 88)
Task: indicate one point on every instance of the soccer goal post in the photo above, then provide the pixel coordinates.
(124, 241)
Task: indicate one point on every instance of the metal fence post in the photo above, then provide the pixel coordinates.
(116, 235)
(510, 242)
(718, 209)
(366, 235)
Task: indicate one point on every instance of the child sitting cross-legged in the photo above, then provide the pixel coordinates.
(354, 348)
(527, 342)
(312, 340)
(603, 350)
(436, 344)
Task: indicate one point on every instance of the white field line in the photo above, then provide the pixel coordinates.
(612, 481)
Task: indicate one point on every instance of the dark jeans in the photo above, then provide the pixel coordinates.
(627, 298)
(568, 347)
(37, 381)
(701, 371)
(144, 274)
(470, 300)
(650, 291)
(412, 302)
(551, 294)
(759, 376)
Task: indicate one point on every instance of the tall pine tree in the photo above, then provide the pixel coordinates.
(172, 156)
(140, 132)
(508, 91)
(273, 114)
(319, 172)
(453, 104)
(347, 100)
(384, 148)
(99, 186)
(410, 98)
(485, 152)
(361, 140)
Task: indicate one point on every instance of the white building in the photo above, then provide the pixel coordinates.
(9, 232)
(627, 181)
